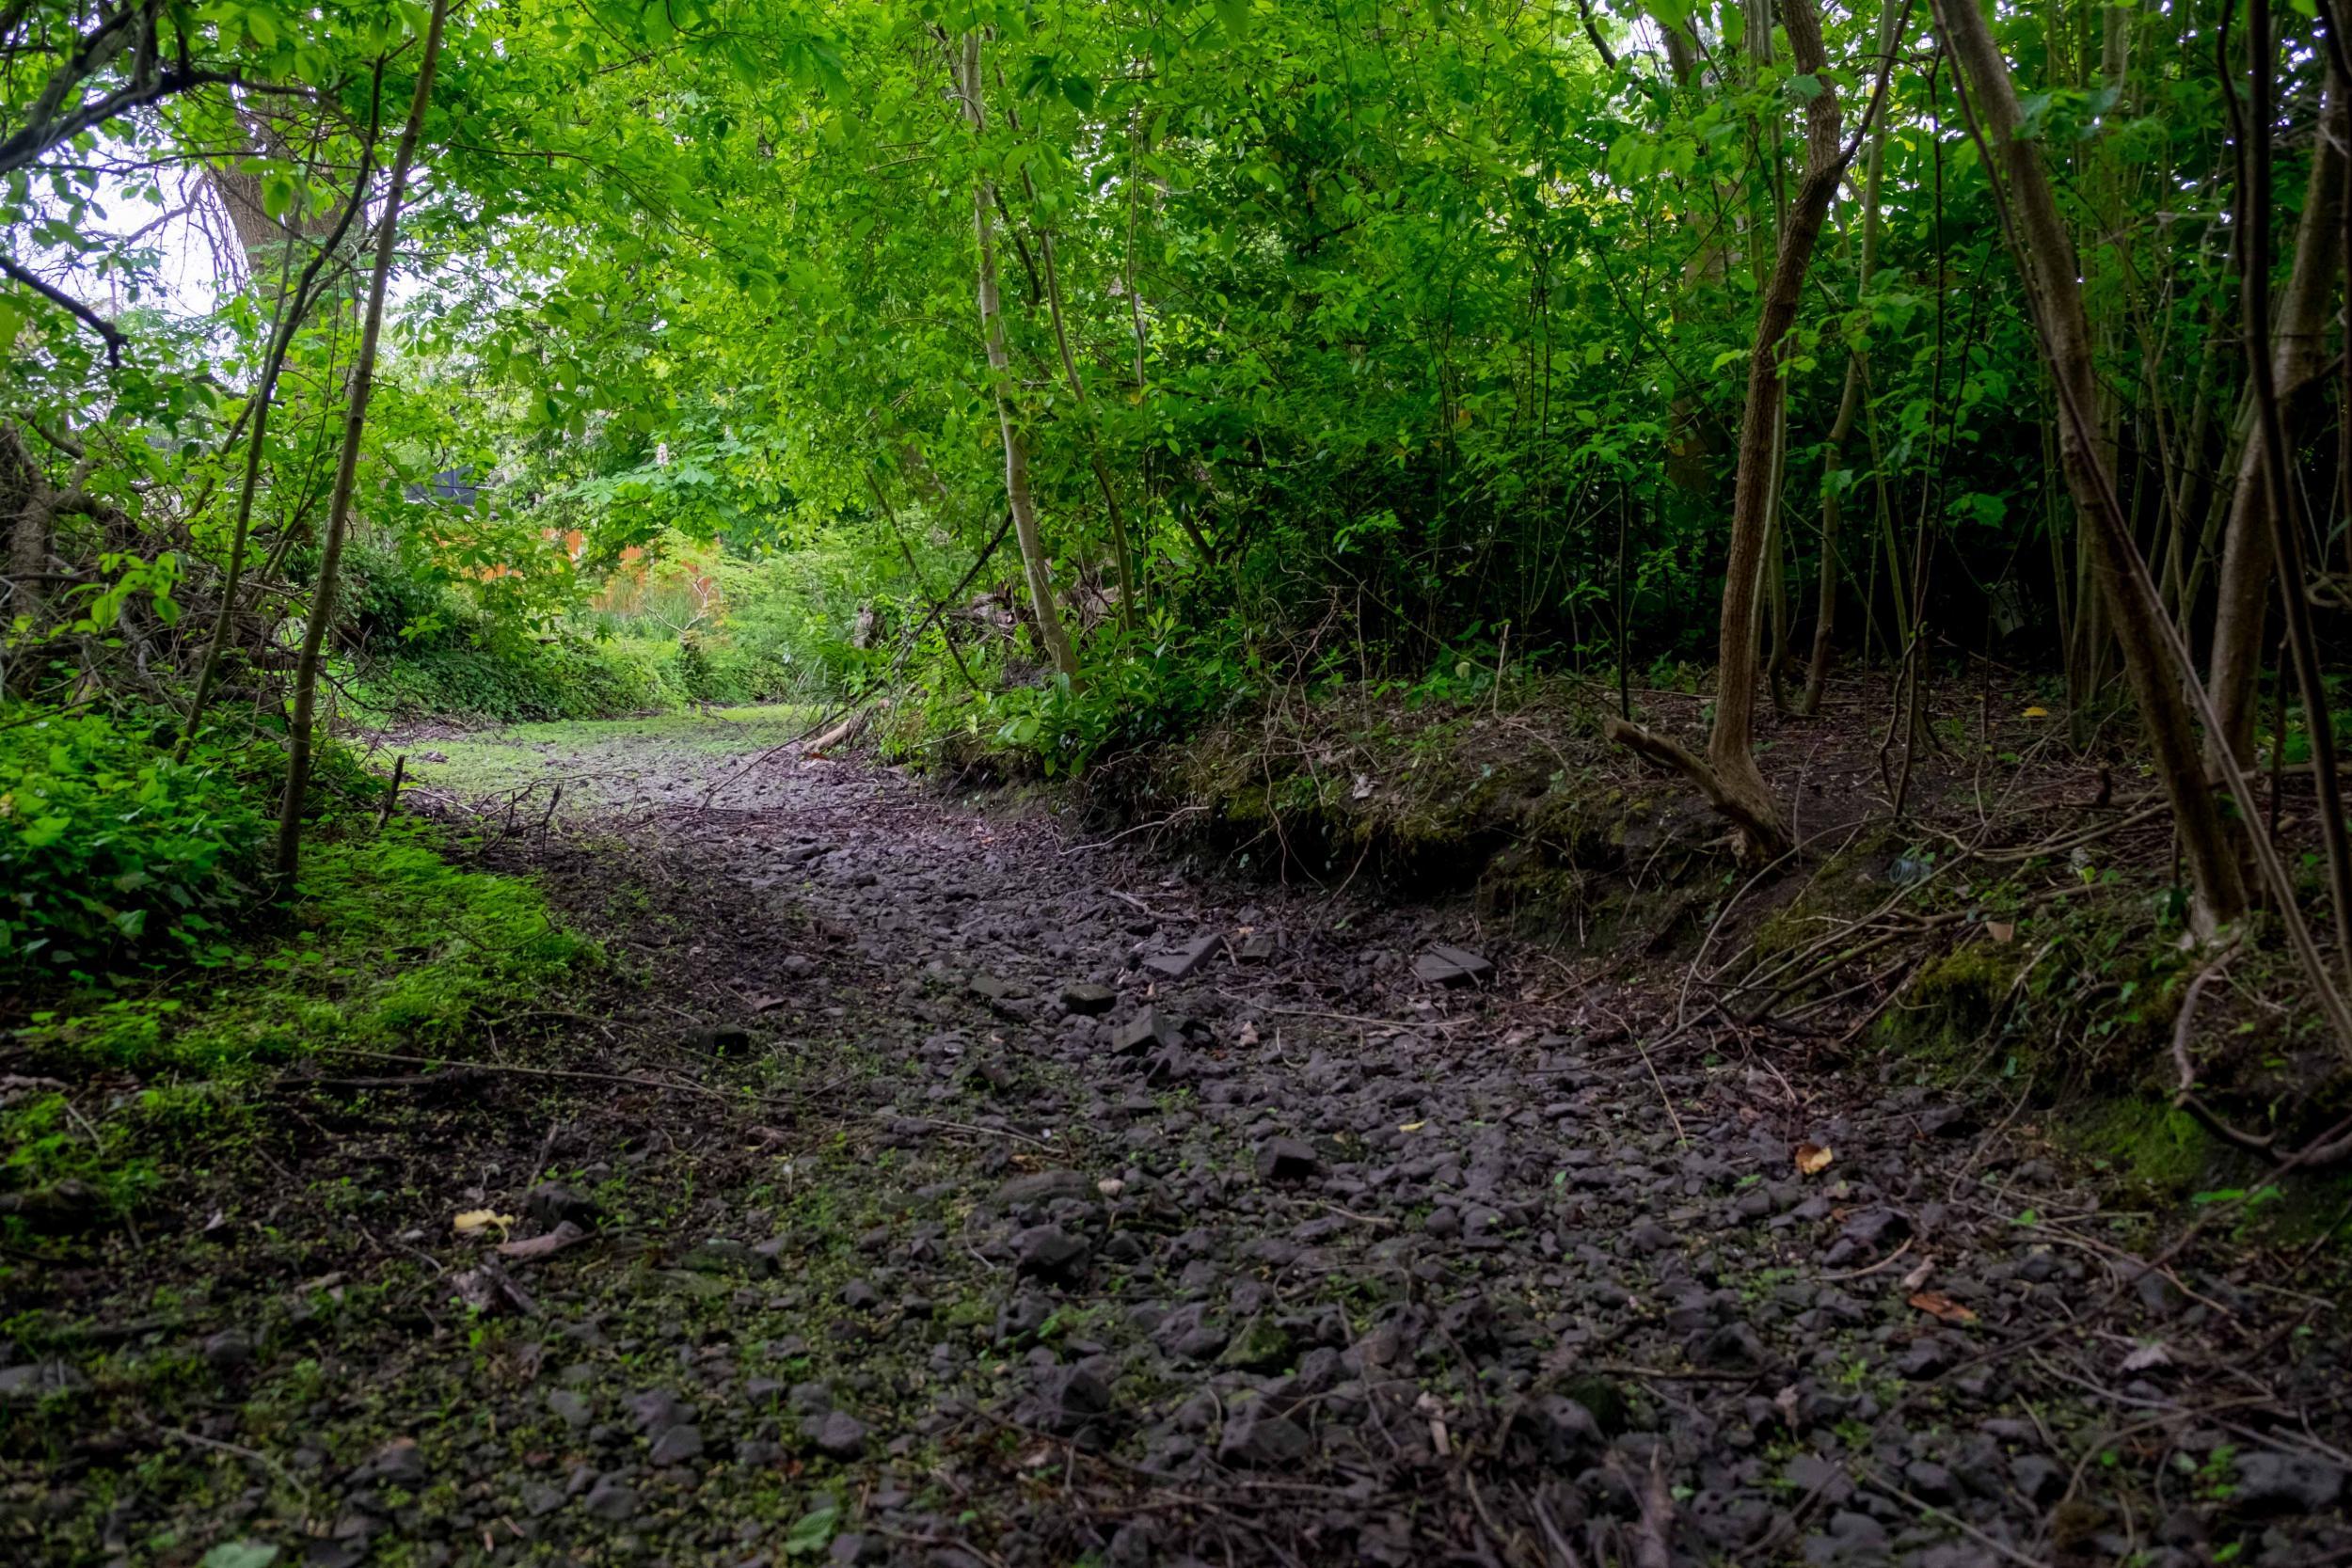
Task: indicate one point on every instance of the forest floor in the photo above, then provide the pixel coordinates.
(926, 1180)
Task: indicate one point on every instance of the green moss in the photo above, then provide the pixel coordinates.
(387, 946)
(2150, 1142)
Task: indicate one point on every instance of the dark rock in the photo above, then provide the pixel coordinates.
(550, 1204)
(859, 1295)
(1171, 1065)
(1255, 948)
(1050, 1251)
(1648, 1236)
(1260, 1347)
(1044, 1186)
(1928, 1357)
(1254, 1436)
(2285, 1484)
(231, 1348)
(1088, 999)
(2037, 1480)
(1185, 962)
(1187, 1333)
(1734, 1345)
(1931, 1481)
(838, 1435)
(398, 1463)
(1286, 1160)
(572, 1409)
(1602, 1397)
(1564, 1427)
(657, 1410)
(1810, 1475)
(719, 1040)
(1873, 1229)
(1069, 1398)
(677, 1445)
(991, 987)
(611, 1501)
(1146, 1030)
(1444, 965)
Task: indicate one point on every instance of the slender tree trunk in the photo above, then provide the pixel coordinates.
(1728, 774)
(2047, 253)
(2298, 354)
(291, 308)
(1825, 600)
(1017, 495)
(1850, 400)
(1078, 393)
(298, 741)
(2278, 453)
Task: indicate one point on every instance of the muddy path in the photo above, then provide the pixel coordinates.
(936, 1182)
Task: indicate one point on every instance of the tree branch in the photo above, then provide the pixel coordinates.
(116, 343)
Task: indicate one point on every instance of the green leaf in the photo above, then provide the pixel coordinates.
(1804, 89)
(812, 1531)
(240, 1554)
(1234, 16)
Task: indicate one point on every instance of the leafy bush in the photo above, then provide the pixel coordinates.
(509, 679)
(109, 849)
(1155, 687)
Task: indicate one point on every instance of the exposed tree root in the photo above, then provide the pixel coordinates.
(1761, 837)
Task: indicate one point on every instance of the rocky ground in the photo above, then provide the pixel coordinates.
(928, 1184)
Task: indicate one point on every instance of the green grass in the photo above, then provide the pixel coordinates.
(388, 946)
(603, 759)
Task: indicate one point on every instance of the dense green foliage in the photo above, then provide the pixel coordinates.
(110, 846)
(779, 350)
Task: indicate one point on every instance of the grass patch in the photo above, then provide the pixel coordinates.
(387, 946)
(600, 759)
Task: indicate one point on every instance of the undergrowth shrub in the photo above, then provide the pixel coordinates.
(111, 850)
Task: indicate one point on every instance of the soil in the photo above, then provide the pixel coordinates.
(936, 1181)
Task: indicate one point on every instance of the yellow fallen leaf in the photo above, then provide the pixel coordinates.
(1937, 1304)
(2037, 713)
(1813, 1159)
(475, 1221)
(1411, 1126)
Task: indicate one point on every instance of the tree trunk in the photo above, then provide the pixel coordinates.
(298, 739)
(2254, 126)
(292, 306)
(1728, 774)
(2298, 355)
(1120, 546)
(1017, 497)
(1850, 400)
(2047, 253)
